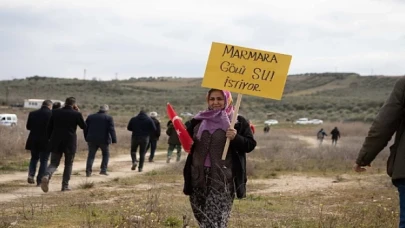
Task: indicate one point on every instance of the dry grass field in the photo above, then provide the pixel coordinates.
(293, 182)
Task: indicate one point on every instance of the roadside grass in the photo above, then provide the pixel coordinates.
(162, 204)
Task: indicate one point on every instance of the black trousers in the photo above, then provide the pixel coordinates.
(55, 161)
(105, 152)
(142, 143)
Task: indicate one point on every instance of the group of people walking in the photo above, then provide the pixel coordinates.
(53, 134)
(335, 133)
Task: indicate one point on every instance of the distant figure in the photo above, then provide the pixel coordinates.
(63, 141)
(154, 136)
(321, 135)
(266, 128)
(56, 105)
(335, 135)
(37, 141)
(141, 127)
(173, 141)
(100, 133)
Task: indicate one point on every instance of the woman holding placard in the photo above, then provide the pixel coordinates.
(210, 181)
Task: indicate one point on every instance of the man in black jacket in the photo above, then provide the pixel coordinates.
(63, 139)
(141, 126)
(154, 136)
(37, 141)
(335, 135)
(100, 133)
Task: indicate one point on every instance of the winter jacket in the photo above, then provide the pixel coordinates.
(242, 144)
(141, 125)
(389, 121)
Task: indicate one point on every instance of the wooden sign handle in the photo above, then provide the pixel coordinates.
(234, 117)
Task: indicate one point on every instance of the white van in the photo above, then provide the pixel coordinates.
(8, 119)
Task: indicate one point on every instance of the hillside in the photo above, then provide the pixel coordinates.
(329, 96)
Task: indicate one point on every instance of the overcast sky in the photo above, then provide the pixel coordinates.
(61, 38)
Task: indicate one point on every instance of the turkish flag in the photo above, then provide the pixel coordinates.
(185, 139)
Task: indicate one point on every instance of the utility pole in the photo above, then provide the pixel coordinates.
(116, 76)
(7, 92)
(84, 74)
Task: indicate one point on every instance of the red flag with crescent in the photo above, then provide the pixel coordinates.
(185, 139)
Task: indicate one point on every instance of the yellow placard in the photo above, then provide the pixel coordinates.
(246, 71)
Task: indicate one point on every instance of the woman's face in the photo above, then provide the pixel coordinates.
(216, 100)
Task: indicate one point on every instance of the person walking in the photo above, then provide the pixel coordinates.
(154, 136)
(321, 135)
(141, 127)
(99, 133)
(335, 135)
(173, 141)
(266, 128)
(63, 141)
(37, 141)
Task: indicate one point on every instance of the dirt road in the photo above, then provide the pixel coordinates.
(312, 141)
(300, 183)
(121, 167)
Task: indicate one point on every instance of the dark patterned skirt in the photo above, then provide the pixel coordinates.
(211, 207)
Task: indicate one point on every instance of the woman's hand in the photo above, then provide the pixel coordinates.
(231, 133)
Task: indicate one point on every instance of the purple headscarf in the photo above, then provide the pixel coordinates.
(216, 119)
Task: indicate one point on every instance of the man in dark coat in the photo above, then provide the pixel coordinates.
(141, 126)
(63, 139)
(154, 136)
(100, 133)
(37, 141)
(335, 135)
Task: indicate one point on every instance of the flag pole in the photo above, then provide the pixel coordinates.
(234, 117)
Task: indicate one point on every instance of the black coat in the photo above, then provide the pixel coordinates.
(62, 129)
(100, 129)
(141, 125)
(243, 143)
(154, 135)
(37, 125)
(335, 133)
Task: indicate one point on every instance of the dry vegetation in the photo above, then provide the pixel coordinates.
(292, 181)
(291, 184)
(328, 96)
